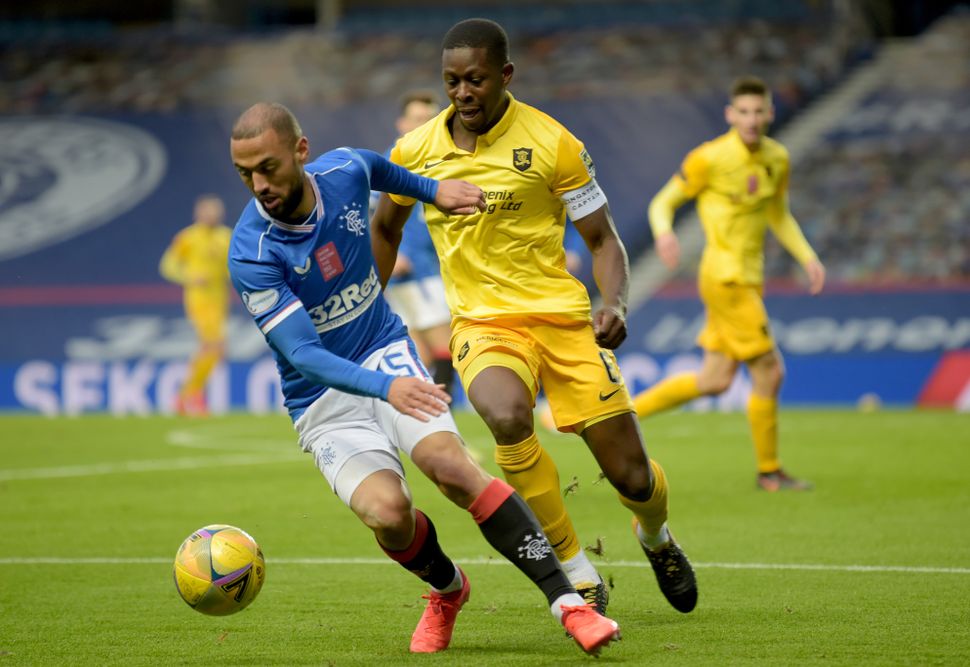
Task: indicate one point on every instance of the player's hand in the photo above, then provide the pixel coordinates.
(609, 326)
(456, 197)
(668, 247)
(419, 399)
(816, 276)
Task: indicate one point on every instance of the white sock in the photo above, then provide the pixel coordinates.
(455, 584)
(653, 542)
(569, 600)
(579, 570)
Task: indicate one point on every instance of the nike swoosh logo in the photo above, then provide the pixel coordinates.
(428, 165)
(303, 269)
(606, 397)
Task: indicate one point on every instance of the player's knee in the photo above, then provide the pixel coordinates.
(715, 383)
(768, 376)
(509, 422)
(778, 376)
(458, 477)
(634, 482)
(630, 476)
(387, 514)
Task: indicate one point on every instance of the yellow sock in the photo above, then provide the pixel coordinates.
(651, 514)
(763, 417)
(199, 370)
(673, 391)
(532, 473)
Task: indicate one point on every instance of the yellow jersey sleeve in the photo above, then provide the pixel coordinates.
(574, 167)
(785, 227)
(694, 172)
(664, 204)
(172, 265)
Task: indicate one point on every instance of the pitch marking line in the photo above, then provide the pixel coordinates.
(810, 567)
(155, 465)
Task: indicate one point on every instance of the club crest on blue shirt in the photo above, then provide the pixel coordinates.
(353, 219)
(522, 158)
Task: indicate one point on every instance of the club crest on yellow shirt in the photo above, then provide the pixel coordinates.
(522, 158)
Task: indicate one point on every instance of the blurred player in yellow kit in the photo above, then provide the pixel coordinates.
(520, 320)
(740, 181)
(197, 260)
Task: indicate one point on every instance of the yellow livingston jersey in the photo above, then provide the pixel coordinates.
(197, 259)
(509, 259)
(740, 193)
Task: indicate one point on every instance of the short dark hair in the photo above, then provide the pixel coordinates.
(749, 85)
(264, 116)
(477, 34)
(422, 95)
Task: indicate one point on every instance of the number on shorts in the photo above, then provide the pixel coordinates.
(611, 370)
(399, 363)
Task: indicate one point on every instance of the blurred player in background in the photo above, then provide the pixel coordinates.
(196, 260)
(740, 180)
(301, 260)
(521, 321)
(415, 290)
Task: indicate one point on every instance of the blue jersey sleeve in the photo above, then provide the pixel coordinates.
(386, 176)
(281, 317)
(297, 340)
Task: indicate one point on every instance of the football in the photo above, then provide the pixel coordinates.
(219, 570)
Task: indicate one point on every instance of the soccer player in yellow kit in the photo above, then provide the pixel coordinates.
(520, 320)
(197, 260)
(740, 181)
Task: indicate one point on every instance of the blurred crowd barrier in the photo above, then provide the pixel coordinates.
(107, 137)
(885, 197)
(162, 69)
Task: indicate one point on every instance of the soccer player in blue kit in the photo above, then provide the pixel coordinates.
(301, 259)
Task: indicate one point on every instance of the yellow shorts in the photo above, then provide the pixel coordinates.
(737, 322)
(582, 381)
(208, 320)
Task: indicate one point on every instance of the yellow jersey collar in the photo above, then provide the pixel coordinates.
(493, 135)
(504, 123)
(741, 146)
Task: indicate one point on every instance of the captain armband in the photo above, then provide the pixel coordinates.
(583, 200)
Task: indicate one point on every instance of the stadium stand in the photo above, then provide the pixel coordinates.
(147, 108)
(885, 197)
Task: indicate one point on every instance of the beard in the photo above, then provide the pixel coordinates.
(288, 205)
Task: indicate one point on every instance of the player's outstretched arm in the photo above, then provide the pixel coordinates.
(611, 270)
(456, 197)
(815, 271)
(660, 213)
(668, 248)
(416, 398)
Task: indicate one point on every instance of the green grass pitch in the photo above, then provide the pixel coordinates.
(872, 567)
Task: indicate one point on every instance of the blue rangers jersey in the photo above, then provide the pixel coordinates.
(313, 288)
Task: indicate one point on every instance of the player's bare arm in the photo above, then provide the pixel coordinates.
(668, 249)
(416, 398)
(660, 213)
(815, 271)
(611, 270)
(386, 227)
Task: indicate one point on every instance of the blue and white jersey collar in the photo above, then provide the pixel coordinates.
(305, 227)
